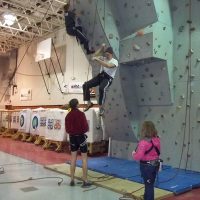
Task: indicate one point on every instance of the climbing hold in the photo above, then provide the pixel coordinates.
(148, 3)
(189, 21)
(181, 28)
(156, 82)
(140, 33)
(180, 76)
(141, 85)
(182, 97)
(192, 76)
(191, 51)
(179, 45)
(148, 44)
(136, 47)
(110, 36)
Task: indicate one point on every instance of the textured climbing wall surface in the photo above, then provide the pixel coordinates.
(149, 83)
(132, 15)
(98, 22)
(178, 125)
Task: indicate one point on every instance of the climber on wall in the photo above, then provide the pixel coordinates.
(104, 79)
(73, 30)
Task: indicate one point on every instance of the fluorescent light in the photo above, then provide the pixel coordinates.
(9, 19)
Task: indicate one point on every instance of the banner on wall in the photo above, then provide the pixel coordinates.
(75, 87)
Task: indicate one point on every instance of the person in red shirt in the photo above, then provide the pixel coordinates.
(76, 126)
(147, 152)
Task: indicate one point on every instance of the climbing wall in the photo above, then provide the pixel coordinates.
(100, 25)
(157, 45)
(146, 72)
(175, 112)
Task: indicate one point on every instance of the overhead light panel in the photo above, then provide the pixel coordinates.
(9, 19)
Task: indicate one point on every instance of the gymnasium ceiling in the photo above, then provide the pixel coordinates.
(34, 18)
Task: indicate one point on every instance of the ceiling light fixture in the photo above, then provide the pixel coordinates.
(60, 2)
(9, 19)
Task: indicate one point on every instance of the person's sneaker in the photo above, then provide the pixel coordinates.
(86, 184)
(101, 111)
(88, 107)
(72, 183)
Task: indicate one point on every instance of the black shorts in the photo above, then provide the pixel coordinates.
(78, 142)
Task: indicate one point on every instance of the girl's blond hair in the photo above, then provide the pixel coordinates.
(148, 130)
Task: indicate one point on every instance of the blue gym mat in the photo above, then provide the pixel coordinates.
(172, 179)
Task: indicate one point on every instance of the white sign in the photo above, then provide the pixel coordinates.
(75, 87)
(26, 94)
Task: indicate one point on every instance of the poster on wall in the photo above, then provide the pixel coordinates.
(26, 94)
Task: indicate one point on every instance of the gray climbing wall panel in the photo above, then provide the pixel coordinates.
(136, 48)
(132, 15)
(148, 82)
